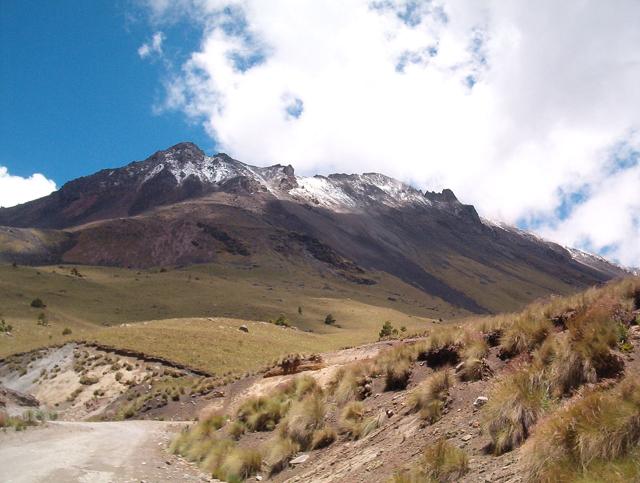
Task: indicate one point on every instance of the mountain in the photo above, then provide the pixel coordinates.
(181, 207)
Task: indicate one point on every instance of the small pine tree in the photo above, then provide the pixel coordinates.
(299, 310)
(329, 319)
(387, 330)
(38, 303)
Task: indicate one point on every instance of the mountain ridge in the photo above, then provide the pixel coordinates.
(180, 207)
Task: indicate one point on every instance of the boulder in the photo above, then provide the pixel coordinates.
(244, 328)
(298, 460)
(480, 401)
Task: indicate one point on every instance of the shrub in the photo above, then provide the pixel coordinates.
(515, 404)
(66, 331)
(88, 380)
(353, 422)
(387, 330)
(329, 319)
(4, 327)
(597, 432)
(441, 462)
(282, 321)
(37, 303)
(42, 319)
(429, 398)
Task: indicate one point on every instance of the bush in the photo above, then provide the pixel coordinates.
(598, 432)
(441, 462)
(37, 303)
(515, 405)
(263, 413)
(4, 327)
(281, 321)
(387, 330)
(42, 319)
(66, 331)
(429, 398)
(329, 319)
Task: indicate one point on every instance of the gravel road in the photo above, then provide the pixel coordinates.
(126, 451)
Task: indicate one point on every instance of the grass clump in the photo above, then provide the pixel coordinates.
(351, 383)
(396, 365)
(429, 398)
(354, 423)
(524, 334)
(263, 413)
(441, 462)
(596, 436)
(440, 348)
(515, 405)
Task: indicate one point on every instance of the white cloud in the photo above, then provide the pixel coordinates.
(154, 46)
(15, 189)
(512, 107)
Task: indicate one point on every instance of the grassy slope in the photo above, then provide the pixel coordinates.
(105, 297)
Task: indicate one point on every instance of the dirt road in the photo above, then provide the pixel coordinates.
(124, 451)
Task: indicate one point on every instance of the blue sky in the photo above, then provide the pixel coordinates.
(530, 115)
(75, 96)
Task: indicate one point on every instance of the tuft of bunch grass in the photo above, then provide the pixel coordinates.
(440, 348)
(595, 434)
(441, 462)
(351, 383)
(429, 398)
(524, 334)
(515, 405)
(396, 366)
(263, 413)
(354, 423)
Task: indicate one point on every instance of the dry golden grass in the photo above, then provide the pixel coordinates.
(597, 434)
(441, 462)
(515, 404)
(429, 398)
(354, 423)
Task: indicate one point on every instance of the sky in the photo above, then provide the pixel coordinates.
(530, 114)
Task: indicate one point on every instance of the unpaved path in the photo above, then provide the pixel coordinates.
(103, 452)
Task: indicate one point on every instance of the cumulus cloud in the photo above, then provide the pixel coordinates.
(529, 113)
(153, 47)
(15, 189)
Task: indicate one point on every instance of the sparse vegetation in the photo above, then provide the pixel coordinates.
(594, 436)
(515, 405)
(441, 462)
(66, 331)
(330, 319)
(387, 330)
(4, 327)
(37, 303)
(430, 397)
(354, 422)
